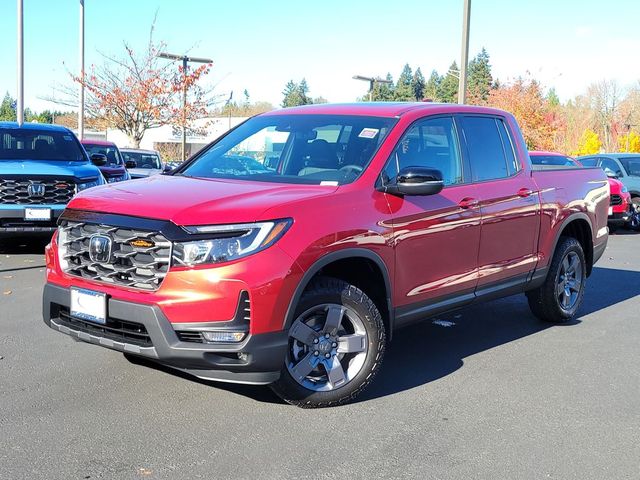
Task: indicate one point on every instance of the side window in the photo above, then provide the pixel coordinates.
(485, 146)
(430, 143)
(512, 163)
(589, 162)
(610, 167)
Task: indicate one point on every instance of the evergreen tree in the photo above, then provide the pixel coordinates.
(418, 85)
(296, 94)
(480, 79)
(552, 97)
(403, 90)
(448, 89)
(383, 92)
(8, 109)
(432, 87)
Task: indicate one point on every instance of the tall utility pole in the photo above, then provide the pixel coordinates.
(372, 82)
(464, 61)
(185, 65)
(20, 101)
(81, 102)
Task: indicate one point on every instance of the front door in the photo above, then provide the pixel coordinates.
(436, 237)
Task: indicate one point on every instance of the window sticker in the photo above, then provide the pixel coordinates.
(369, 132)
(330, 183)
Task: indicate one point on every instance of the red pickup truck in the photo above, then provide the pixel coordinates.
(289, 250)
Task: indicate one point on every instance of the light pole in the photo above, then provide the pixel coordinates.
(81, 102)
(20, 101)
(464, 61)
(372, 81)
(185, 61)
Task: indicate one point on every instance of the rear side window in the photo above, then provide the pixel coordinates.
(486, 148)
(512, 163)
(589, 162)
(610, 167)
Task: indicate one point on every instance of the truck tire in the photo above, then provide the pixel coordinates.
(559, 298)
(336, 345)
(634, 222)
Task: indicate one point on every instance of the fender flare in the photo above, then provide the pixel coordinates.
(565, 222)
(330, 258)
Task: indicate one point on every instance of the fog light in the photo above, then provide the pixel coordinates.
(223, 337)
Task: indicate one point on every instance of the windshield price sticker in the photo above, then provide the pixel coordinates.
(369, 133)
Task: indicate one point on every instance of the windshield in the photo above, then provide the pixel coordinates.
(143, 159)
(309, 149)
(631, 165)
(556, 160)
(110, 151)
(17, 144)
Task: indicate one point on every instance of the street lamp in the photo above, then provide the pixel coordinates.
(464, 61)
(185, 61)
(372, 81)
(20, 101)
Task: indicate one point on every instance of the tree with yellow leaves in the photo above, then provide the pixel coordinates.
(629, 142)
(589, 144)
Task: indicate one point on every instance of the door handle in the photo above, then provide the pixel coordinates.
(525, 192)
(468, 202)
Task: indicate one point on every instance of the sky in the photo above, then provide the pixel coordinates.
(261, 45)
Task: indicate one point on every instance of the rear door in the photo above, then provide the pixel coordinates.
(509, 203)
(436, 237)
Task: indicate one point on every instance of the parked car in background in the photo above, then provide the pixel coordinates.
(148, 162)
(114, 170)
(372, 217)
(620, 209)
(552, 159)
(41, 169)
(624, 167)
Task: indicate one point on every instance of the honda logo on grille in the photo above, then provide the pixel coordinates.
(35, 190)
(100, 248)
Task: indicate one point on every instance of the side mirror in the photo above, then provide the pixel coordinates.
(167, 169)
(130, 163)
(99, 159)
(418, 181)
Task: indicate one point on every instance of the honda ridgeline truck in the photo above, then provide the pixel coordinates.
(41, 169)
(289, 250)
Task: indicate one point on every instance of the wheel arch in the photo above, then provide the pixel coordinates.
(335, 264)
(579, 227)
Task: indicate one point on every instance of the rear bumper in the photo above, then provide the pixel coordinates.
(258, 359)
(12, 220)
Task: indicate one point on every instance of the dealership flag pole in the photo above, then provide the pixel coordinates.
(20, 101)
(81, 103)
(464, 61)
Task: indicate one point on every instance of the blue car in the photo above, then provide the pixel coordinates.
(41, 168)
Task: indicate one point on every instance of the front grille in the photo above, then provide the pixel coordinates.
(141, 267)
(117, 330)
(17, 191)
(188, 336)
(615, 200)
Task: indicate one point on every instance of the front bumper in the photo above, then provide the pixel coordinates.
(619, 218)
(12, 220)
(258, 359)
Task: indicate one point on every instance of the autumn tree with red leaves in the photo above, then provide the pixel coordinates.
(140, 91)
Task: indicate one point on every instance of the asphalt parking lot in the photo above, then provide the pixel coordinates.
(492, 394)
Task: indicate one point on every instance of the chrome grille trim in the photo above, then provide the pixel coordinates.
(132, 267)
(14, 191)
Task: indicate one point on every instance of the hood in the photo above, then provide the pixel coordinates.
(113, 171)
(194, 201)
(615, 186)
(49, 168)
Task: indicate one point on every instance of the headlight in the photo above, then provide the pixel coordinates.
(93, 183)
(228, 242)
(120, 178)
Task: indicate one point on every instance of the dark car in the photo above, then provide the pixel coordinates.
(41, 169)
(115, 169)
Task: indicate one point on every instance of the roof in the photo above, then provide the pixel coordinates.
(613, 155)
(34, 126)
(139, 150)
(380, 109)
(548, 154)
(104, 143)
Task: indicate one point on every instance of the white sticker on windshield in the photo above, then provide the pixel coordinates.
(329, 183)
(369, 132)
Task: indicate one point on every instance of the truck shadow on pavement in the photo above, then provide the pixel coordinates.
(428, 351)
